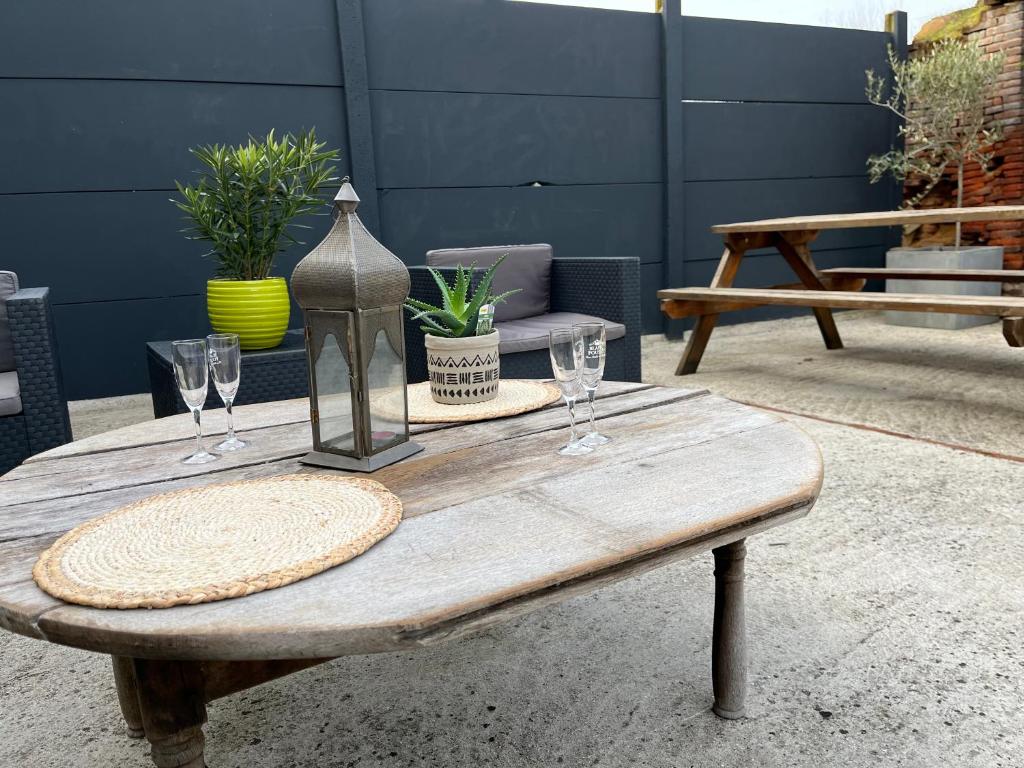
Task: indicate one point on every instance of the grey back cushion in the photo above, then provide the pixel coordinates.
(8, 287)
(527, 267)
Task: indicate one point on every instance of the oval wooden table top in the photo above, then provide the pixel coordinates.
(495, 522)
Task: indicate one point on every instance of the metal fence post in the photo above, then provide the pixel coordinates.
(352, 38)
(674, 193)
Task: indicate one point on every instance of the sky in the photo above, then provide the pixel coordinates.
(858, 14)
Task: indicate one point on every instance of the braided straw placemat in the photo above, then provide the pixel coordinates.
(514, 396)
(218, 541)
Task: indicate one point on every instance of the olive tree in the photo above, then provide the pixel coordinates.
(940, 97)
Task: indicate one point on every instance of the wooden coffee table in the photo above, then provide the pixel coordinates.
(496, 524)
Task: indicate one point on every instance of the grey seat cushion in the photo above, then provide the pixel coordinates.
(528, 267)
(10, 394)
(531, 333)
(8, 287)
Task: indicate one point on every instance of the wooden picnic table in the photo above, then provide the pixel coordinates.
(495, 525)
(827, 289)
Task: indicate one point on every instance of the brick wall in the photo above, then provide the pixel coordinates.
(1000, 28)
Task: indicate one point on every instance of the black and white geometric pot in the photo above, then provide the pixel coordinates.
(463, 370)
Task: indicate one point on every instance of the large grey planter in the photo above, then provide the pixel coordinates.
(944, 257)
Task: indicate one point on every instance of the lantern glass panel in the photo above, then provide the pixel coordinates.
(334, 397)
(385, 374)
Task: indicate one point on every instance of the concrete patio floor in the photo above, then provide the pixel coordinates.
(884, 629)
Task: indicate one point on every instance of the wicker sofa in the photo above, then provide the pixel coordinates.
(571, 290)
(33, 410)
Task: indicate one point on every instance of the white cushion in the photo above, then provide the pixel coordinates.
(8, 287)
(10, 394)
(532, 332)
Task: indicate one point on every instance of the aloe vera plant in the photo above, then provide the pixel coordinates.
(459, 312)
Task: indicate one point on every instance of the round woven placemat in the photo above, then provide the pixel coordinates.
(514, 396)
(216, 542)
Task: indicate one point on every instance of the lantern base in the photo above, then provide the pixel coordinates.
(367, 464)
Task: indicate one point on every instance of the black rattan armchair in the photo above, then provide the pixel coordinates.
(33, 410)
(580, 288)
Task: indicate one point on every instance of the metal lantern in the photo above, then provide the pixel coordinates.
(351, 289)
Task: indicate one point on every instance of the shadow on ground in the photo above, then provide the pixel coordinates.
(962, 387)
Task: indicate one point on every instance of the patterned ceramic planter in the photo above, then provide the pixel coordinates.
(463, 370)
(257, 310)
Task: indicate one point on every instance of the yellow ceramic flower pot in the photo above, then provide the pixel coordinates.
(257, 310)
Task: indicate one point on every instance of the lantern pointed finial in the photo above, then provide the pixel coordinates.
(347, 200)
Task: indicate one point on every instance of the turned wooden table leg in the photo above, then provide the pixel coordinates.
(172, 699)
(128, 695)
(729, 643)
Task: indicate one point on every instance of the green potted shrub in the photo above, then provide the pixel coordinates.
(463, 367)
(244, 204)
(940, 96)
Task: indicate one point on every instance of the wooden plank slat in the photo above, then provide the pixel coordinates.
(966, 275)
(254, 416)
(876, 219)
(472, 558)
(39, 504)
(682, 308)
(997, 306)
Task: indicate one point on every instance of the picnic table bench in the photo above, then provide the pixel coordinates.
(495, 525)
(828, 289)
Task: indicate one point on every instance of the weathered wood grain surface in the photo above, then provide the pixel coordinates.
(677, 302)
(495, 522)
(876, 219)
(964, 275)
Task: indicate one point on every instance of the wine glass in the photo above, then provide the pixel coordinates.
(225, 368)
(594, 346)
(566, 347)
(191, 372)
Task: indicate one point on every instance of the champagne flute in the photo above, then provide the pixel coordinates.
(190, 369)
(566, 348)
(226, 369)
(594, 347)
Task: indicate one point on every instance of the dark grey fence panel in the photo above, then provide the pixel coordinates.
(599, 220)
(122, 134)
(468, 140)
(461, 107)
(103, 344)
(506, 47)
(247, 41)
(761, 269)
(755, 61)
(724, 202)
(108, 246)
(779, 126)
(781, 141)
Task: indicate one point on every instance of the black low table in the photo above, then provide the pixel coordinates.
(267, 374)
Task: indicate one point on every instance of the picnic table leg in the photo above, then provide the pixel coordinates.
(729, 643)
(795, 249)
(128, 695)
(172, 699)
(701, 333)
